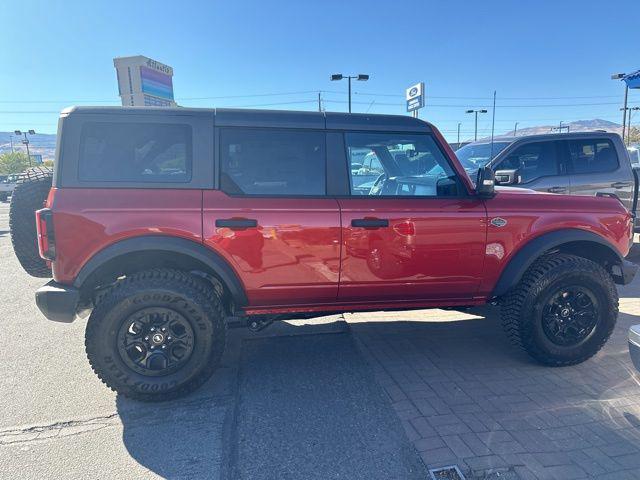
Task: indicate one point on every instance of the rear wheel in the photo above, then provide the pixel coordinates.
(156, 335)
(28, 196)
(563, 310)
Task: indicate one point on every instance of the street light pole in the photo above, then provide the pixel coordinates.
(515, 129)
(620, 76)
(26, 140)
(360, 77)
(475, 137)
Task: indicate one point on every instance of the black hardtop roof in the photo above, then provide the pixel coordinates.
(271, 118)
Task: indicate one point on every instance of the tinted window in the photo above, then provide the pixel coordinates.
(476, 155)
(399, 165)
(272, 162)
(532, 161)
(592, 156)
(135, 152)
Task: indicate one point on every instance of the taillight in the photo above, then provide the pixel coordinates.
(46, 238)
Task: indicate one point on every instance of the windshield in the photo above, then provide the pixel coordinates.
(476, 155)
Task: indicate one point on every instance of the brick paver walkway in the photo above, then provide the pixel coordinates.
(467, 397)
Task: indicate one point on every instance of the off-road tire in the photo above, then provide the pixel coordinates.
(180, 291)
(521, 308)
(28, 196)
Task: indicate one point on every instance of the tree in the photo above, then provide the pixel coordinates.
(13, 162)
(634, 135)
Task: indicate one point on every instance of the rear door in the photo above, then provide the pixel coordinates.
(414, 234)
(271, 218)
(540, 165)
(596, 166)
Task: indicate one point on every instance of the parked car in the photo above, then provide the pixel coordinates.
(582, 163)
(634, 156)
(164, 225)
(7, 184)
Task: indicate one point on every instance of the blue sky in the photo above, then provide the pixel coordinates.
(548, 60)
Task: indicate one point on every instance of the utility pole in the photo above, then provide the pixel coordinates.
(319, 102)
(515, 129)
(631, 109)
(560, 127)
(459, 134)
(11, 141)
(475, 137)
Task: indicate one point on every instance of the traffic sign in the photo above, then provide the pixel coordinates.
(415, 97)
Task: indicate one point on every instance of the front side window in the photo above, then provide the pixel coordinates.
(399, 165)
(272, 162)
(592, 156)
(532, 161)
(135, 152)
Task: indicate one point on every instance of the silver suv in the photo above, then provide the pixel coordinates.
(588, 163)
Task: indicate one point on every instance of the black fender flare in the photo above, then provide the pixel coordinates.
(533, 249)
(162, 243)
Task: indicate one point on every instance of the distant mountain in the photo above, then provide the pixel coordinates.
(41, 144)
(577, 126)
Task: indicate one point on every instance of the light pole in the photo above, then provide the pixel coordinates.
(26, 140)
(459, 134)
(11, 141)
(620, 76)
(360, 77)
(475, 137)
(515, 129)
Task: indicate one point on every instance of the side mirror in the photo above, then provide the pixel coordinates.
(506, 177)
(485, 186)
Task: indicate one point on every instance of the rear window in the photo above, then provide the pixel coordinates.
(135, 152)
(593, 156)
(272, 162)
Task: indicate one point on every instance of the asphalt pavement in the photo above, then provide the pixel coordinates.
(297, 401)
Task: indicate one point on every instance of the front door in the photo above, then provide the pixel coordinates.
(271, 218)
(413, 233)
(540, 166)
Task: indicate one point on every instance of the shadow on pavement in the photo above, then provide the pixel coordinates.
(303, 402)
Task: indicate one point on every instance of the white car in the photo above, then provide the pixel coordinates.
(7, 184)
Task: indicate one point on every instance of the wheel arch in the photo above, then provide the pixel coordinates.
(158, 251)
(572, 241)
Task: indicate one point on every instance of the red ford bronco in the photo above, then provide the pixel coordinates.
(164, 224)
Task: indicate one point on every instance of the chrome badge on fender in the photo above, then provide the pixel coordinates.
(498, 222)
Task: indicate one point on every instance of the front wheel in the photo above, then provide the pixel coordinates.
(563, 310)
(156, 335)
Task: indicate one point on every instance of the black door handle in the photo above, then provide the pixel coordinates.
(557, 190)
(370, 222)
(236, 223)
(620, 184)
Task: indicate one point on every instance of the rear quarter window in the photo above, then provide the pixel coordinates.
(593, 156)
(135, 152)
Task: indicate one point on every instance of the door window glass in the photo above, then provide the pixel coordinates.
(272, 162)
(532, 161)
(592, 156)
(399, 165)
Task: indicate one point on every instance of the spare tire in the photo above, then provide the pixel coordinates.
(29, 195)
